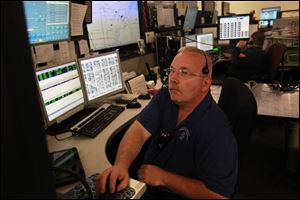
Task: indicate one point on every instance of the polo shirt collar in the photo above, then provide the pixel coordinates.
(198, 111)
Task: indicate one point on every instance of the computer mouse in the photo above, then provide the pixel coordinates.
(133, 104)
(144, 96)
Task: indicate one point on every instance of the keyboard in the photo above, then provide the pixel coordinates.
(79, 191)
(92, 125)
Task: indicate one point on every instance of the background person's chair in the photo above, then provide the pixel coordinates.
(275, 55)
(238, 103)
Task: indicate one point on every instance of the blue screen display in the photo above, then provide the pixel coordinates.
(47, 21)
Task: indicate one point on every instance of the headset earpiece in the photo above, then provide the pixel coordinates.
(205, 69)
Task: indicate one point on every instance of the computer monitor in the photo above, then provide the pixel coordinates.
(205, 41)
(201, 41)
(267, 16)
(61, 92)
(190, 18)
(269, 13)
(47, 21)
(234, 27)
(101, 76)
(114, 24)
(189, 40)
(265, 23)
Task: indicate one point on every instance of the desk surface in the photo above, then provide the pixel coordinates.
(270, 102)
(92, 151)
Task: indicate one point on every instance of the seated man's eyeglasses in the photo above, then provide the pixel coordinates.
(181, 72)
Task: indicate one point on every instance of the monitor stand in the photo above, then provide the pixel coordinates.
(65, 125)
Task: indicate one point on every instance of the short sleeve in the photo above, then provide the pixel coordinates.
(150, 117)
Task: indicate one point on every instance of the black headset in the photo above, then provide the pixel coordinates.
(205, 69)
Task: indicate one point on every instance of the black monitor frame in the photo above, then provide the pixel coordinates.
(230, 16)
(269, 21)
(125, 50)
(99, 98)
(270, 8)
(52, 122)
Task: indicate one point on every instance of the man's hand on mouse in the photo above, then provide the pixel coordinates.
(112, 176)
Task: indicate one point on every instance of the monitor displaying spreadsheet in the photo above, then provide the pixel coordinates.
(234, 27)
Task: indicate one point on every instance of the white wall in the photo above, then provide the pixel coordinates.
(241, 7)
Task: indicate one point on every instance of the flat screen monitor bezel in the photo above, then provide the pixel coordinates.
(229, 16)
(101, 98)
(278, 9)
(121, 47)
(70, 112)
(51, 41)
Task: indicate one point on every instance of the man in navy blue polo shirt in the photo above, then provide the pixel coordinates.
(193, 153)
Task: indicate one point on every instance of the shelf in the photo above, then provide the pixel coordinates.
(206, 25)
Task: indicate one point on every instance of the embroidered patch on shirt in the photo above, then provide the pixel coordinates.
(242, 55)
(184, 134)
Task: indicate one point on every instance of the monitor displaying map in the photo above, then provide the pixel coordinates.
(114, 24)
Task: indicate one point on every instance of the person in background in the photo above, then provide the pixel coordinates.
(193, 152)
(248, 60)
(253, 17)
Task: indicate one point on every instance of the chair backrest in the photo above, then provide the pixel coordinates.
(275, 55)
(238, 103)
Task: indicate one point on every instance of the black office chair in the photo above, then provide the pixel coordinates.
(239, 104)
